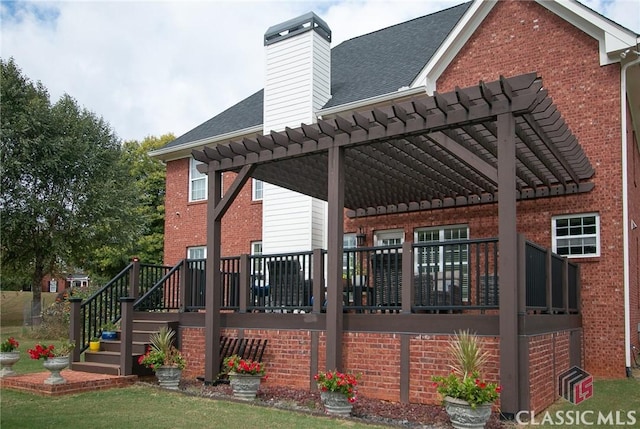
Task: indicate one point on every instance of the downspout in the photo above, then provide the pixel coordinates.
(625, 212)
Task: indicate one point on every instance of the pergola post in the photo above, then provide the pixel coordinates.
(213, 278)
(507, 264)
(335, 181)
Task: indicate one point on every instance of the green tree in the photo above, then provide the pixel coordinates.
(148, 176)
(65, 182)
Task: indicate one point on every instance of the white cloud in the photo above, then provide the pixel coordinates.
(151, 67)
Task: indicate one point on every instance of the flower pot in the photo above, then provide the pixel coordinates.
(109, 335)
(463, 416)
(94, 346)
(55, 365)
(168, 376)
(336, 403)
(244, 386)
(7, 359)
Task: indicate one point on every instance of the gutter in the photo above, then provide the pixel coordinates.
(198, 143)
(625, 211)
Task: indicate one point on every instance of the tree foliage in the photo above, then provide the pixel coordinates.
(66, 185)
(148, 181)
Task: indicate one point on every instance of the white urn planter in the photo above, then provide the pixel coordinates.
(55, 365)
(7, 359)
(463, 416)
(168, 376)
(336, 403)
(244, 386)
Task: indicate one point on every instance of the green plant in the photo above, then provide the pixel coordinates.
(162, 352)
(9, 345)
(464, 381)
(335, 381)
(234, 364)
(109, 326)
(40, 351)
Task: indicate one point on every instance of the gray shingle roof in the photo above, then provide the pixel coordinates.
(363, 67)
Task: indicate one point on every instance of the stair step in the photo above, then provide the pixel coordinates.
(112, 358)
(139, 347)
(96, 368)
(152, 325)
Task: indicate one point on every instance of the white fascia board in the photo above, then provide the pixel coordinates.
(184, 150)
(454, 42)
(612, 38)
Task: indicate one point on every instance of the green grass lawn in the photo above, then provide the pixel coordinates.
(611, 398)
(141, 406)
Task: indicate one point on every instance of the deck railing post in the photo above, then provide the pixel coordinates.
(134, 279)
(75, 335)
(244, 282)
(318, 280)
(408, 292)
(565, 285)
(522, 274)
(126, 335)
(549, 280)
(185, 282)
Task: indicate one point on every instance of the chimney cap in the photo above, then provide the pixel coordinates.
(307, 22)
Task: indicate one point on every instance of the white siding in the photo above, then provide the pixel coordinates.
(298, 83)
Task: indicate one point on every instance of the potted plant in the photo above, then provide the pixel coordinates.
(55, 360)
(9, 355)
(94, 344)
(244, 376)
(467, 397)
(109, 331)
(338, 391)
(164, 358)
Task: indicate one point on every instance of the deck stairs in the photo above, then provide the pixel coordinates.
(107, 360)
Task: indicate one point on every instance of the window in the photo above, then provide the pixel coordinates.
(257, 189)
(197, 182)
(197, 252)
(389, 238)
(257, 264)
(348, 258)
(445, 258)
(576, 235)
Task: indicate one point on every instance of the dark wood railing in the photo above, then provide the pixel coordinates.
(444, 276)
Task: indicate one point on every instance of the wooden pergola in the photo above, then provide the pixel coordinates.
(500, 141)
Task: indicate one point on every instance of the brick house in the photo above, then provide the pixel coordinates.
(580, 199)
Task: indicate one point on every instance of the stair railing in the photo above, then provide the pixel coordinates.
(164, 294)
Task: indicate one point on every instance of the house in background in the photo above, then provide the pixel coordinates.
(330, 156)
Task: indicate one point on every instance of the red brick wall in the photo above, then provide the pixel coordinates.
(548, 358)
(515, 38)
(185, 223)
(375, 356)
(633, 160)
(523, 37)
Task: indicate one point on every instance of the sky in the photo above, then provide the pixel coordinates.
(165, 66)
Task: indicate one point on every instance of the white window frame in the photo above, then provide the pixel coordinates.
(258, 264)
(384, 237)
(195, 177)
(555, 237)
(194, 251)
(440, 264)
(257, 190)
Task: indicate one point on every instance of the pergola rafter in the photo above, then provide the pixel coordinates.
(429, 151)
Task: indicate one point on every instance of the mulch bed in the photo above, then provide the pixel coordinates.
(365, 409)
